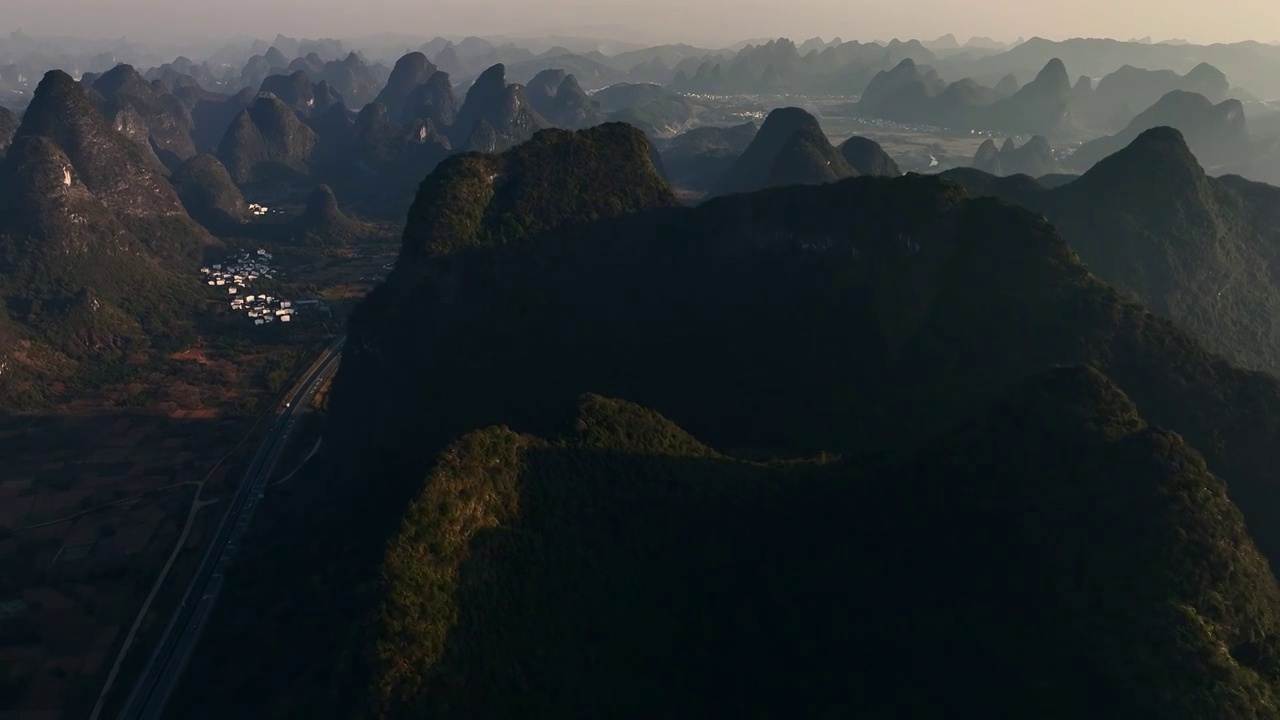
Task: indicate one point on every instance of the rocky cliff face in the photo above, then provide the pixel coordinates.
(83, 284)
(495, 116)
(8, 126)
(147, 113)
(433, 101)
(557, 97)
(116, 170)
(352, 79)
(301, 95)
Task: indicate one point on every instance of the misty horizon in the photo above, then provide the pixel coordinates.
(662, 21)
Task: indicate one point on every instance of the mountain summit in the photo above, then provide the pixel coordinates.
(410, 72)
(866, 157)
(114, 169)
(1193, 248)
(266, 143)
(789, 149)
(478, 200)
(1216, 133)
(498, 110)
(92, 244)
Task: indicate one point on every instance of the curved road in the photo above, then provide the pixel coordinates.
(152, 691)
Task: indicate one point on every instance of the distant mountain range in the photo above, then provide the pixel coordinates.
(909, 94)
(368, 132)
(654, 419)
(764, 65)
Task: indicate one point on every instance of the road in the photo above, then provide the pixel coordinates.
(147, 699)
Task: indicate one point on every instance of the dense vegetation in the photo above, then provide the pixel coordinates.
(93, 247)
(209, 194)
(521, 556)
(866, 157)
(919, 500)
(556, 178)
(622, 568)
(790, 149)
(1198, 250)
(697, 159)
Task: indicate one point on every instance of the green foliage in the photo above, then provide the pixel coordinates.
(557, 177)
(790, 149)
(208, 193)
(1198, 250)
(847, 318)
(606, 423)
(1129, 568)
(94, 247)
(278, 369)
(807, 158)
(474, 488)
(1002, 522)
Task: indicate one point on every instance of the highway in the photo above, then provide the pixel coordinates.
(147, 699)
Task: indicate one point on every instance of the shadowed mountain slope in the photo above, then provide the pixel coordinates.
(789, 149)
(1198, 250)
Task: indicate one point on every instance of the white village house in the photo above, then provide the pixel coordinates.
(238, 272)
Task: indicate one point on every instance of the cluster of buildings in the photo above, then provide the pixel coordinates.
(882, 124)
(237, 273)
(258, 210)
(263, 309)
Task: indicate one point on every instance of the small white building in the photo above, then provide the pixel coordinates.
(285, 318)
(258, 321)
(232, 290)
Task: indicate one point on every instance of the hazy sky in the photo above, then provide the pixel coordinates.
(698, 21)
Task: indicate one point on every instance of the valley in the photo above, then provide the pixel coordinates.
(575, 376)
(96, 495)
